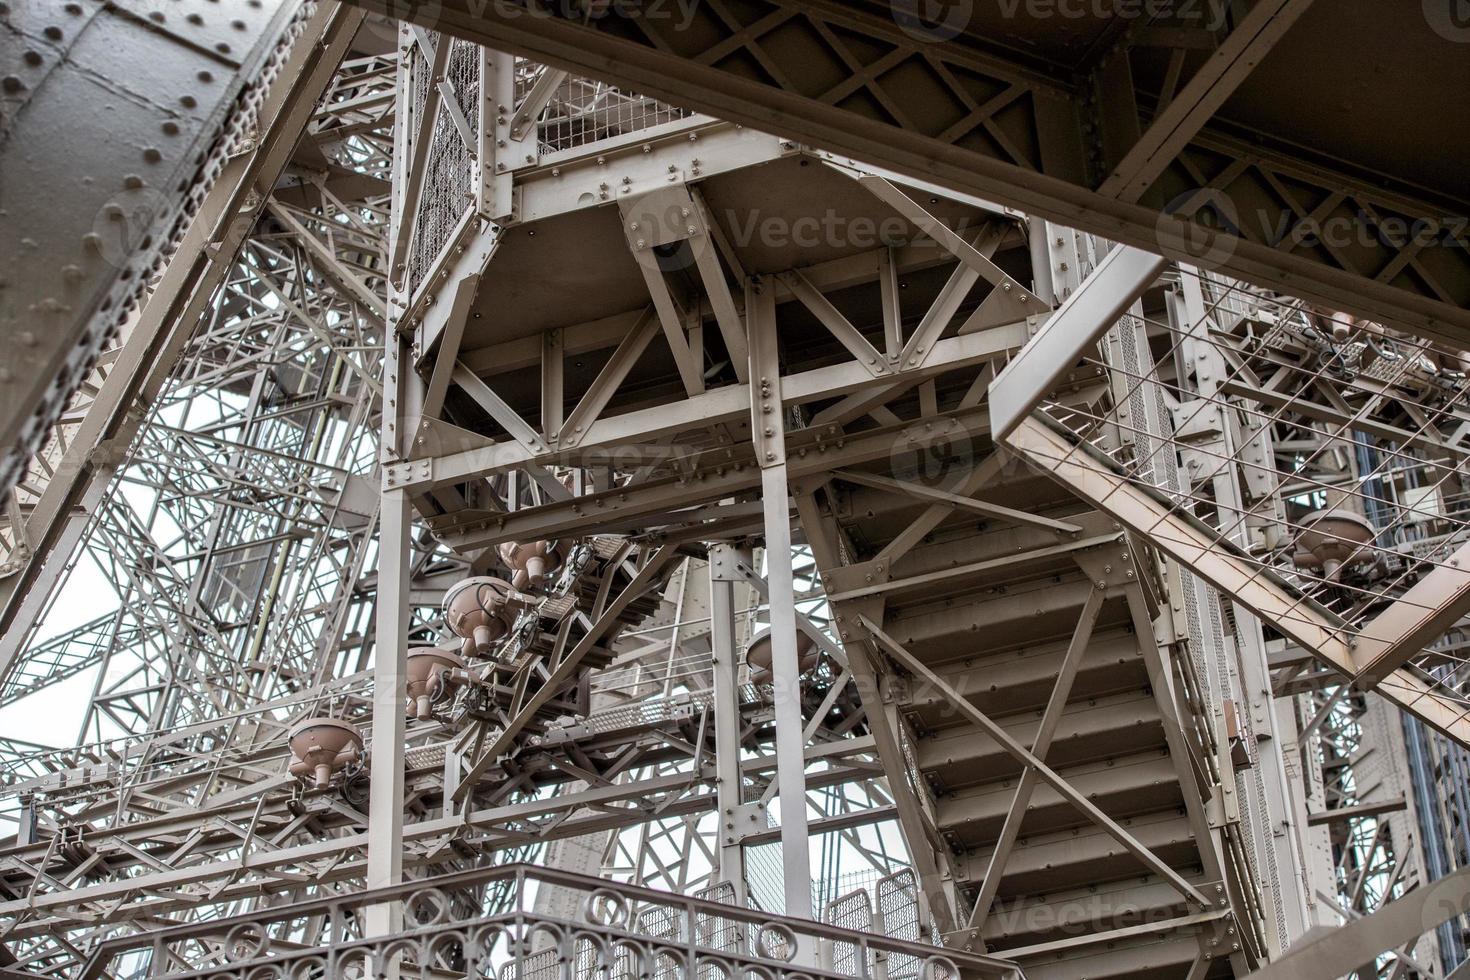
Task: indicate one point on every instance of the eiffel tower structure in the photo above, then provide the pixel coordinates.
(782, 489)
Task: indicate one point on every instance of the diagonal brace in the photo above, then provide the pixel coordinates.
(1047, 775)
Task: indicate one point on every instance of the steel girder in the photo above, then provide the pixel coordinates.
(1166, 133)
(77, 262)
(869, 395)
(477, 454)
(69, 478)
(227, 799)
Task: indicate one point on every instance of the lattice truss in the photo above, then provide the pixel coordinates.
(680, 854)
(223, 584)
(240, 538)
(1347, 441)
(1390, 838)
(887, 396)
(249, 470)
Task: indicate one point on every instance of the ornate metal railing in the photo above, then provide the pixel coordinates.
(520, 922)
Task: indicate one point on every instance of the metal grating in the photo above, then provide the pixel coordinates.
(450, 168)
(898, 907)
(851, 911)
(584, 111)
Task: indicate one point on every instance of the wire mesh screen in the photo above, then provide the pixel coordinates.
(851, 911)
(726, 935)
(449, 165)
(898, 905)
(1330, 449)
(660, 923)
(542, 965)
(584, 111)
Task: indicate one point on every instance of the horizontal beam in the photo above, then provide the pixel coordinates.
(1052, 179)
(728, 404)
(1376, 809)
(667, 500)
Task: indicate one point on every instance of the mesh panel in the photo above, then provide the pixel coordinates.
(448, 170)
(716, 932)
(538, 966)
(661, 923)
(851, 911)
(584, 111)
(898, 904)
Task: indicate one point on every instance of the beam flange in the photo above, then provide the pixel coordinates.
(1119, 280)
(1416, 619)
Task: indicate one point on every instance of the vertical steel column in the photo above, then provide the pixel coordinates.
(768, 431)
(1292, 894)
(403, 395)
(726, 669)
(385, 804)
